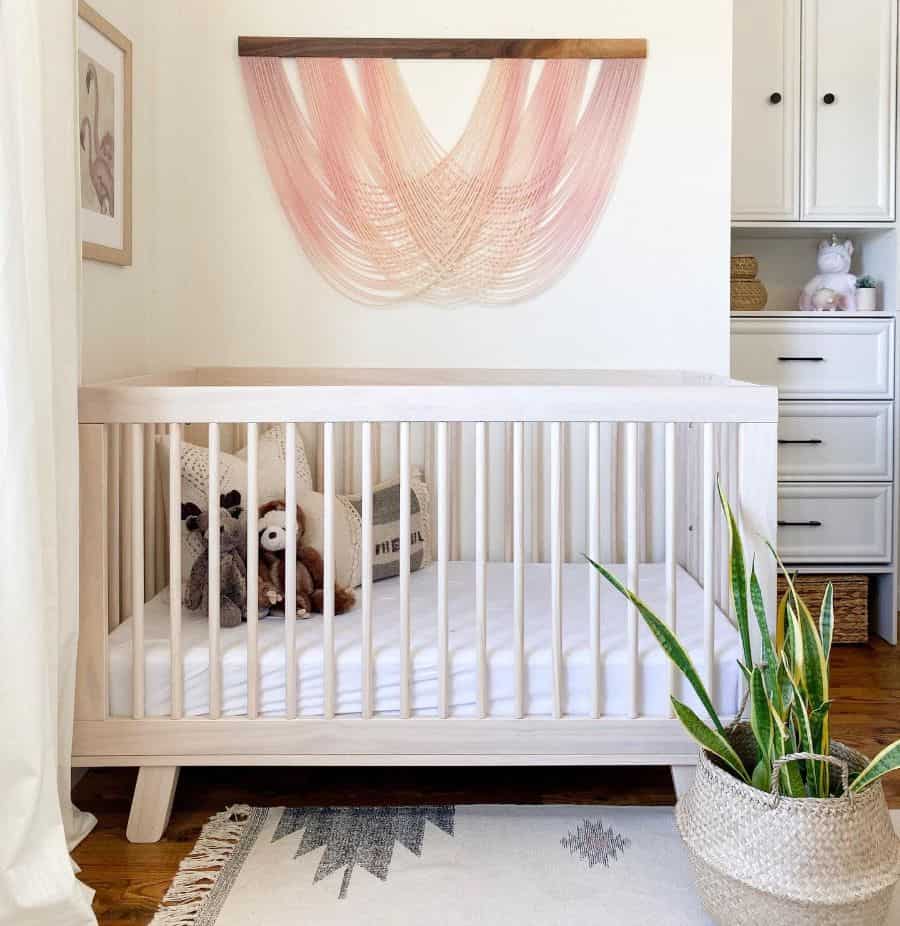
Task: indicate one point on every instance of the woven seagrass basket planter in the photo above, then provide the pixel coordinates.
(804, 862)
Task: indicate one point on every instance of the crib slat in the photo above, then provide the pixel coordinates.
(214, 590)
(709, 627)
(290, 570)
(149, 461)
(405, 530)
(252, 570)
(671, 596)
(431, 479)
(137, 569)
(176, 672)
(328, 580)
(114, 565)
(631, 558)
(481, 562)
(556, 553)
(508, 491)
(456, 443)
(443, 487)
(594, 552)
(518, 482)
(537, 492)
(367, 554)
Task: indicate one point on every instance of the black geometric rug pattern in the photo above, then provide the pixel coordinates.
(362, 836)
(595, 844)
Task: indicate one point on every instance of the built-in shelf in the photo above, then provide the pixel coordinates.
(796, 313)
(787, 257)
(805, 229)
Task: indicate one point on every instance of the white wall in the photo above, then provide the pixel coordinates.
(120, 304)
(219, 277)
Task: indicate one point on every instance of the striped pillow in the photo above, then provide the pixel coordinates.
(386, 526)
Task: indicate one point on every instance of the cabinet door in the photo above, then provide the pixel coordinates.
(849, 92)
(766, 110)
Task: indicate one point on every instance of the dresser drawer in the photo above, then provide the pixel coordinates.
(808, 358)
(835, 441)
(829, 523)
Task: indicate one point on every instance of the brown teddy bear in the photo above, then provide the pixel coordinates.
(310, 568)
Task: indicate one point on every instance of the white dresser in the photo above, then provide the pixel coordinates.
(837, 453)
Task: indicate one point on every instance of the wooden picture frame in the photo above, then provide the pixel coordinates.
(105, 138)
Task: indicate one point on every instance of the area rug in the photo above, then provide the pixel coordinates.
(435, 864)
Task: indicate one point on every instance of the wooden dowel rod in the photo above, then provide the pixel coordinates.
(252, 46)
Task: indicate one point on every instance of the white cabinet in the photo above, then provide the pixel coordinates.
(837, 450)
(766, 134)
(816, 358)
(814, 110)
(849, 79)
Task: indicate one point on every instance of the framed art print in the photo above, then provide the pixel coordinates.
(104, 135)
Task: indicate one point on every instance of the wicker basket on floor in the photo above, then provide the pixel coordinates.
(851, 602)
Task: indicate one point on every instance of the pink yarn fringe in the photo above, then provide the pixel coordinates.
(387, 215)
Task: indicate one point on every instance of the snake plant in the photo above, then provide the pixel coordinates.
(787, 686)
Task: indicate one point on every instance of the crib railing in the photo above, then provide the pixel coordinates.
(702, 422)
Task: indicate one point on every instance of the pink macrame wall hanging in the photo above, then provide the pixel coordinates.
(387, 215)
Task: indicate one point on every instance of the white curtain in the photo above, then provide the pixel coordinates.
(38, 477)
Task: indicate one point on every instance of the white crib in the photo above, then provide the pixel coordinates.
(508, 650)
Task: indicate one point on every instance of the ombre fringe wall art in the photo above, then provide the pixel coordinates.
(387, 215)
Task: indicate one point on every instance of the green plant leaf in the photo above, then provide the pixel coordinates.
(737, 575)
(815, 668)
(761, 715)
(762, 776)
(826, 620)
(886, 761)
(807, 743)
(818, 723)
(669, 642)
(709, 739)
(768, 650)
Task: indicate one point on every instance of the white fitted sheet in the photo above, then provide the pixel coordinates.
(577, 675)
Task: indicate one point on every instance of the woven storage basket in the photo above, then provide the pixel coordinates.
(804, 862)
(744, 267)
(748, 295)
(851, 602)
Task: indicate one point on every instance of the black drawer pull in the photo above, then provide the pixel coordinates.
(799, 523)
(811, 442)
(801, 359)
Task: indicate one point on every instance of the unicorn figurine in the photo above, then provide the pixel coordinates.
(833, 288)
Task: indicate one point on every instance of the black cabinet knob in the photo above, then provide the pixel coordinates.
(828, 99)
(775, 99)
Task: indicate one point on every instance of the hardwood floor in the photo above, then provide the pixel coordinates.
(131, 879)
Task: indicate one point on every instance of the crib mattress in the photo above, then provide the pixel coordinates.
(577, 672)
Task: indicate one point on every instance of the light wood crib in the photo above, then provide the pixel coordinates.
(506, 650)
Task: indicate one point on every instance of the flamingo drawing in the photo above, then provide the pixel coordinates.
(100, 150)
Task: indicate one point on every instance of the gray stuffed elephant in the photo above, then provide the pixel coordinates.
(232, 561)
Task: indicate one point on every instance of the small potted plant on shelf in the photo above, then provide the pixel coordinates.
(866, 288)
(782, 824)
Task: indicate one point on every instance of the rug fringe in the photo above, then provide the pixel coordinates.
(199, 872)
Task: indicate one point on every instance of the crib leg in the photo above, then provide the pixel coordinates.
(151, 805)
(682, 778)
